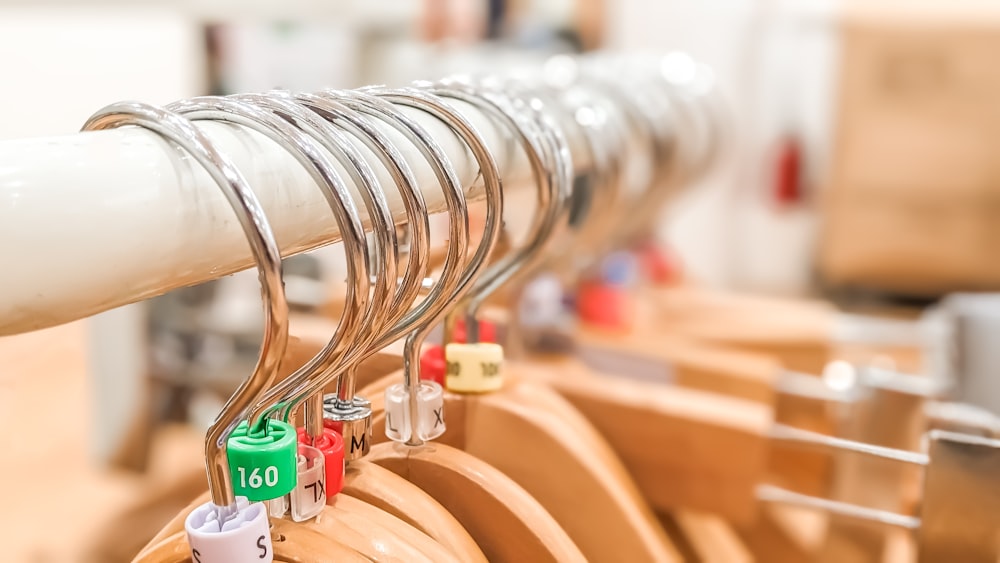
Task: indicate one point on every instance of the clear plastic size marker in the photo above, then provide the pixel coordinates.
(278, 507)
(309, 495)
(430, 401)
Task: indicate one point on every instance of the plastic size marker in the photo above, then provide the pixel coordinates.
(278, 507)
(487, 331)
(619, 269)
(474, 368)
(430, 401)
(244, 538)
(353, 421)
(432, 364)
(331, 445)
(263, 464)
(658, 264)
(432, 361)
(541, 303)
(309, 495)
(604, 305)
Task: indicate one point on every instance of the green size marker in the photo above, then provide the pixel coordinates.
(262, 464)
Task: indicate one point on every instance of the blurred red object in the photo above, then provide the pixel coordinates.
(487, 331)
(332, 446)
(603, 305)
(659, 264)
(788, 172)
(433, 364)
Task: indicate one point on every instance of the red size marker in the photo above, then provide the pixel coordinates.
(332, 446)
(487, 332)
(603, 305)
(659, 264)
(432, 364)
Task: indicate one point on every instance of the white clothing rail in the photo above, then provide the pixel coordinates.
(93, 221)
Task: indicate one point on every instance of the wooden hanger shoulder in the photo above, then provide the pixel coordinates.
(699, 434)
(389, 492)
(526, 426)
(534, 436)
(583, 429)
(691, 363)
(712, 538)
(376, 534)
(506, 522)
(797, 331)
(292, 544)
(359, 527)
(726, 371)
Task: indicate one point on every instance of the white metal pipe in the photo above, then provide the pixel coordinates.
(93, 221)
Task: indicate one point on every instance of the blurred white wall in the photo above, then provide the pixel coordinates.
(776, 62)
(299, 56)
(59, 65)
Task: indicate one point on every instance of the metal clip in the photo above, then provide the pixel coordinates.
(353, 420)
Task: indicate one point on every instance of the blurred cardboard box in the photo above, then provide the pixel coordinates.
(913, 198)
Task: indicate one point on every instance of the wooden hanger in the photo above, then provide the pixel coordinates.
(371, 483)
(697, 479)
(507, 522)
(701, 433)
(797, 332)
(391, 493)
(701, 478)
(292, 544)
(526, 426)
(357, 526)
(669, 478)
(800, 333)
(756, 376)
(346, 524)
